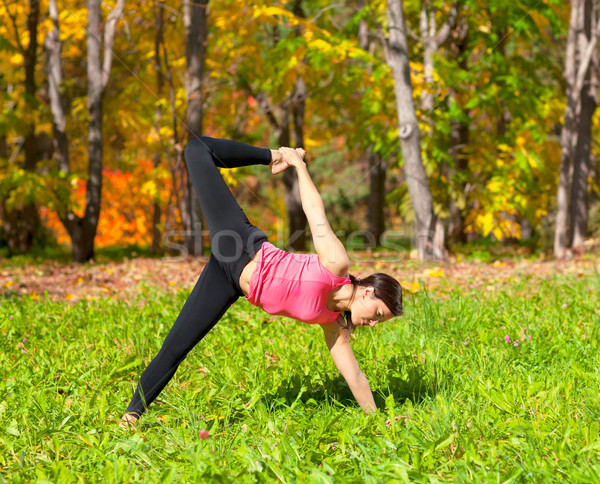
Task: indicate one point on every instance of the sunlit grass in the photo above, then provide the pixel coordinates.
(473, 406)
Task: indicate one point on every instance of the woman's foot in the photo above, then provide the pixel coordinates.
(278, 162)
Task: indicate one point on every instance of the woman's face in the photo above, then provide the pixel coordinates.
(368, 310)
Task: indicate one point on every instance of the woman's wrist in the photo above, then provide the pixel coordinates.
(298, 164)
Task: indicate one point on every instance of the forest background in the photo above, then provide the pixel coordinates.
(99, 99)
(439, 130)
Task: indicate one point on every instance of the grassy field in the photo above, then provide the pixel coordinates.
(495, 384)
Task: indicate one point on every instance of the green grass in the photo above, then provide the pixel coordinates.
(276, 408)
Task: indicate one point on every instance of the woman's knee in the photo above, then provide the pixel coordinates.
(196, 149)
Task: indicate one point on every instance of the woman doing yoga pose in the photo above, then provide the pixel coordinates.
(313, 288)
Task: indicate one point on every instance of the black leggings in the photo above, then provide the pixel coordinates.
(234, 241)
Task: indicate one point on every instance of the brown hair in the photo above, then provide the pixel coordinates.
(385, 288)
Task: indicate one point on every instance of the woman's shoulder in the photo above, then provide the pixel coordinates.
(337, 269)
(335, 329)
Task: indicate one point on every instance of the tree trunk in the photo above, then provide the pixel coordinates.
(293, 105)
(432, 40)
(459, 141)
(568, 133)
(195, 21)
(589, 102)
(58, 108)
(176, 165)
(55, 79)
(297, 239)
(83, 229)
(409, 132)
(20, 223)
(296, 216)
(428, 51)
(18, 226)
(3, 144)
(30, 146)
(158, 41)
(86, 230)
(505, 116)
(377, 166)
(376, 204)
(57, 102)
(581, 75)
(581, 169)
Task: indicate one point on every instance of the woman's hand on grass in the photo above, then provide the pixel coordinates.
(128, 422)
(398, 417)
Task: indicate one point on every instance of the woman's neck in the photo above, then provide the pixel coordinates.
(340, 298)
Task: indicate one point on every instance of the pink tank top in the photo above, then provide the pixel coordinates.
(293, 285)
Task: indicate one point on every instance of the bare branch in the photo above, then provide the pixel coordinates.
(442, 35)
(109, 39)
(322, 11)
(384, 44)
(584, 65)
(267, 109)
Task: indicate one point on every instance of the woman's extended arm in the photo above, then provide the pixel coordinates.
(308, 191)
(338, 342)
(329, 248)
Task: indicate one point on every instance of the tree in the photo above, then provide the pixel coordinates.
(196, 31)
(459, 140)
(497, 80)
(408, 130)
(377, 166)
(581, 74)
(263, 73)
(157, 9)
(53, 48)
(296, 216)
(433, 39)
(20, 223)
(82, 230)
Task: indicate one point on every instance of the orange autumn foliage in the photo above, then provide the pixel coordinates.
(126, 209)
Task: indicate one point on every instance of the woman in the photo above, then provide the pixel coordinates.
(314, 288)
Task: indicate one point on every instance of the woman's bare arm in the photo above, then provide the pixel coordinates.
(329, 248)
(338, 342)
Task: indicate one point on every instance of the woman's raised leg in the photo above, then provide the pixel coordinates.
(220, 209)
(233, 239)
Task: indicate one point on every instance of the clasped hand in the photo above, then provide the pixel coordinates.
(284, 157)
